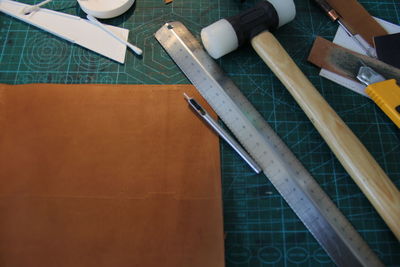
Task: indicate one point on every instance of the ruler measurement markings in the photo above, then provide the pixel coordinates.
(285, 172)
(315, 217)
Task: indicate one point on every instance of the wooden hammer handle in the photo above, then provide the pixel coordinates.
(355, 158)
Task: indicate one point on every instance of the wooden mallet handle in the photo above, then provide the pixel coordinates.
(355, 158)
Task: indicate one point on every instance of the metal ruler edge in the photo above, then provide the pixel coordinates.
(303, 194)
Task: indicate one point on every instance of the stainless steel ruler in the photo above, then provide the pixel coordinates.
(314, 208)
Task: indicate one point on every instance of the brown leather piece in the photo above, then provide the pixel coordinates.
(345, 62)
(357, 19)
(107, 175)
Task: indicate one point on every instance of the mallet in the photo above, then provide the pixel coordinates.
(228, 34)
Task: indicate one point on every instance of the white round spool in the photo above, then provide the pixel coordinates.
(105, 9)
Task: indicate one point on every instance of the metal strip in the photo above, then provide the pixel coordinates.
(314, 208)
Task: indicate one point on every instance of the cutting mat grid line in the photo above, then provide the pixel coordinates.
(261, 228)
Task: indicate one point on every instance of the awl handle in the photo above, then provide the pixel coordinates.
(333, 15)
(352, 154)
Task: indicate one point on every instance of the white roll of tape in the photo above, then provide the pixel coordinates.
(105, 9)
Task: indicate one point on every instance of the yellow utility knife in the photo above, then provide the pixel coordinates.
(385, 93)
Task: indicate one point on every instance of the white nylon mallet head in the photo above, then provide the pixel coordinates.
(226, 35)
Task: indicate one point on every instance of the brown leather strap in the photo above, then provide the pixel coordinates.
(345, 62)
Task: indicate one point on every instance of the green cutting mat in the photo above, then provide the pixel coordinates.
(261, 229)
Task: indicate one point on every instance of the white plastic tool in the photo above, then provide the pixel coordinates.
(72, 28)
(105, 9)
(36, 7)
(135, 49)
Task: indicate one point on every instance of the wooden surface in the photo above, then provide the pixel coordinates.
(352, 154)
